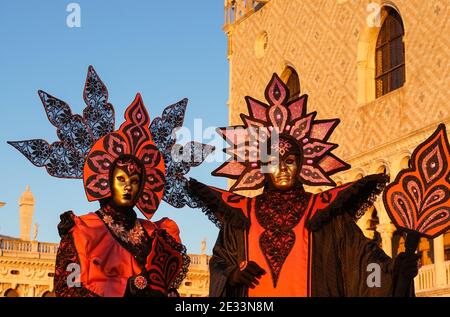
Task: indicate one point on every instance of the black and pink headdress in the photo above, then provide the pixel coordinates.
(289, 120)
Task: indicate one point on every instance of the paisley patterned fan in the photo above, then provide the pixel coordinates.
(418, 201)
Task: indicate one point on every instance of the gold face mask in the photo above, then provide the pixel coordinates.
(125, 188)
(284, 175)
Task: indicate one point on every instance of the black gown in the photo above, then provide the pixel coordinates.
(339, 264)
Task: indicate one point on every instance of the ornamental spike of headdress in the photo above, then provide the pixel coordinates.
(289, 120)
(77, 134)
(88, 146)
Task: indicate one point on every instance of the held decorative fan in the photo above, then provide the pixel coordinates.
(418, 200)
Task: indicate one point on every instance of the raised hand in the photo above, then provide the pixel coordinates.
(406, 265)
(247, 275)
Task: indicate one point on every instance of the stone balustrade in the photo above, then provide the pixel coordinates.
(426, 282)
(235, 10)
(17, 248)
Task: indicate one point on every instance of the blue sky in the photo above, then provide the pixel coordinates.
(166, 50)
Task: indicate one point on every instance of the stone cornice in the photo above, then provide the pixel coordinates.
(407, 142)
(14, 261)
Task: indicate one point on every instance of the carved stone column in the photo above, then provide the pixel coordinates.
(386, 231)
(32, 291)
(363, 224)
(439, 261)
(424, 250)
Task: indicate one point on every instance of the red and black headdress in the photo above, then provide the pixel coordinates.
(290, 121)
(88, 147)
(133, 139)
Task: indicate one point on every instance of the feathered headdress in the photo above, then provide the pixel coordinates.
(88, 146)
(287, 119)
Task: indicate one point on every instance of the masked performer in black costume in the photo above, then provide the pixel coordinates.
(287, 241)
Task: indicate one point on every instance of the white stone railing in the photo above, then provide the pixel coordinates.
(14, 245)
(19, 246)
(48, 247)
(426, 279)
(198, 259)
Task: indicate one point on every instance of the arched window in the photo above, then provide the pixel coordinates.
(398, 243)
(390, 55)
(371, 225)
(11, 293)
(404, 163)
(383, 169)
(290, 77)
(426, 251)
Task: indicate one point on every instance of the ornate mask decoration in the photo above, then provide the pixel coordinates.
(132, 139)
(285, 118)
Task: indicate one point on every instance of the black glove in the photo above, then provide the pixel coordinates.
(406, 265)
(213, 200)
(209, 196)
(247, 276)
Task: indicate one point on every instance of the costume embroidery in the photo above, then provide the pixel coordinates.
(279, 213)
(168, 263)
(67, 254)
(77, 134)
(134, 236)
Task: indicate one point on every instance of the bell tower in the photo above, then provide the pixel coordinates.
(26, 210)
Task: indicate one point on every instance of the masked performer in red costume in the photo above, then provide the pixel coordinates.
(111, 252)
(286, 241)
